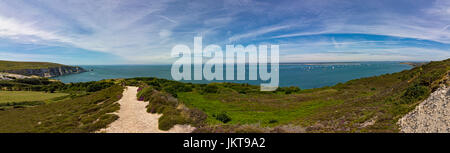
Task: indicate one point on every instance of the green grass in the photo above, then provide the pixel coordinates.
(79, 115)
(251, 112)
(22, 96)
(12, 65)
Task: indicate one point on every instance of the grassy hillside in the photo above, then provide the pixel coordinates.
(30, 92)
(12, 65)
(371, 104)
(79, 115)
(43, 105)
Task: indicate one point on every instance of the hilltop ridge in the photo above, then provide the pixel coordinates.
(40, 69)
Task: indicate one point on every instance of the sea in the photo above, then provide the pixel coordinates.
(302, 75)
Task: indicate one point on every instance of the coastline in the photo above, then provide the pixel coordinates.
(37, 69)
(414, 64)
(227, 103)
(303, 76)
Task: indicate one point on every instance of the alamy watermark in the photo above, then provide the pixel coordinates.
(237, 56)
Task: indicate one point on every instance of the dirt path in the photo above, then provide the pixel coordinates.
(430, 116)
(133, 117)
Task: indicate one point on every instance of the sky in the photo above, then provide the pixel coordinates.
(107, 32)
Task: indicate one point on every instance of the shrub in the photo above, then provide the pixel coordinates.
(170, 117)
(288, 90)
(427, 79)
(223, 117)
(34, 81)
(131, 83)
(166, 122)
(273, 121)
(156, 108)
(145, 93)
(96, 87)
(243, 90)
(197, 117)
(174, 87)
(211, 88)
(163, 98)
(414, 93)
(86, 86)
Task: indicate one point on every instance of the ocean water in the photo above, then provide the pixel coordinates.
(305, 76)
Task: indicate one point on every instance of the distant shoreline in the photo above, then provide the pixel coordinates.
(303, 76)
(414, 64)
(281, 63)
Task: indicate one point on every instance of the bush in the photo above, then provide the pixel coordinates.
(166, 122)
(145, 94)
(156, 108)
(173, 88)
(288, 90)
(131, 83)
(162, 98)
(223, 117)
(170, 117)
(427, 79)
(98, 86)
(34, 81)
(196, 117)
(415, 93)
(86, 86)
(273, 121)
(210, 88)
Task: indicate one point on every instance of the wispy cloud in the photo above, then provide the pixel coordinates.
(10, 28)
(441, 8)
(258, 32)
(168, 19)
(401, 54)
(141, 31)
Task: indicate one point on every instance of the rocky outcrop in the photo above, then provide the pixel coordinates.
(48, 72)
(430, 116)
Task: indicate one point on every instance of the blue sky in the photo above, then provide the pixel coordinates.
(144, 31)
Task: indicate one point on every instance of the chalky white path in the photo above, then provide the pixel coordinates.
(133, 117)
(430, 116)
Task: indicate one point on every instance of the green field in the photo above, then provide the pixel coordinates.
(21, 96)
(265, 113)
(12, 65)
